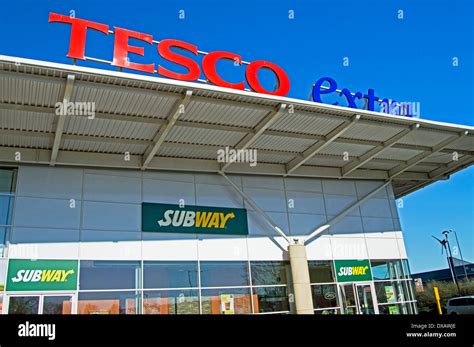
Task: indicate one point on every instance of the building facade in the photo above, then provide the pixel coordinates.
(90, 221)
(129, 208)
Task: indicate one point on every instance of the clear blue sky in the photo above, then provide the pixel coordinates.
(407, 59)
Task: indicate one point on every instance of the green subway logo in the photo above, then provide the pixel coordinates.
(194, 219)
(44, 275)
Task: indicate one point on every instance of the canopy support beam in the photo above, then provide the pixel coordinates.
(61, 119)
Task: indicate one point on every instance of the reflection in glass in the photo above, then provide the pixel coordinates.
(4, 237)
(171, 302)
(167, 274)
(7, 180)
(224, 273)
(105, 274)
(6, 209)
(109, 303)
(57, 305)
(321, 271)
(406, 269)
(226, 301)
(364, 294)
(387, 292)
(269, 272)
(324, 296)
(393, 309)
(23, 305)
(270, 299)
(348, 298)
(386, 269)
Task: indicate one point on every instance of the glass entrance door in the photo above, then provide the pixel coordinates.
(357, 298)
(40, 304)
(349, 301)
(365, 303)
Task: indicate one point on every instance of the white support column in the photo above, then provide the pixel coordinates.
(165, 129)
(61, 119)
(250, 138)
(320, 145)
(297, 256)
(300, 279)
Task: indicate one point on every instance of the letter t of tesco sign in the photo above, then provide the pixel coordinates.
(122, 48)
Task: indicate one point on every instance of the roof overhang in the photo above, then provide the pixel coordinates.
(141, 115)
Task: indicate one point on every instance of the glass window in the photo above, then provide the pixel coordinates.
(3, 274)
(388, 291)
(23, 305)
(394, 309)
(386, 269)
(458, 302)
(4, 237)
(6, 209)
(324, 296)
(104, 274)
(321, 271)
(7, 180)
(109, 303)
(171, 302)
(406, 268)
(226, 301)
(270, 299)
(407, 291)
(224, 273)
(269, 272)
(166, 274)
(57, 304)
(470, 301)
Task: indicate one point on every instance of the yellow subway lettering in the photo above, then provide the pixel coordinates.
(214, 223)
(202, 219)
(47, 275)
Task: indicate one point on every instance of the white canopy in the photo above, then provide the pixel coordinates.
(141, 115)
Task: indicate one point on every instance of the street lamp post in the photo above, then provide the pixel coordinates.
(460, 253)
(445, 244)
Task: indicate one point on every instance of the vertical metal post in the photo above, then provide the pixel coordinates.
(451, 264)
(438, 303)
(460, 253)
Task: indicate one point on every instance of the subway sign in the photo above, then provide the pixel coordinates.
(41, 275)
(170, 218)
(353, 270)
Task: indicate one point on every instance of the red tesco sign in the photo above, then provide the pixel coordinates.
(122, 48)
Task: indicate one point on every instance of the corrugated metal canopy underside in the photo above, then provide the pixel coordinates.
(141, 116)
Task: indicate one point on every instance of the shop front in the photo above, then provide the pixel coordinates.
(134, 287)
(355, 286)
(41, 287)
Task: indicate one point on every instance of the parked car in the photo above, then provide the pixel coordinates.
(461, 305)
